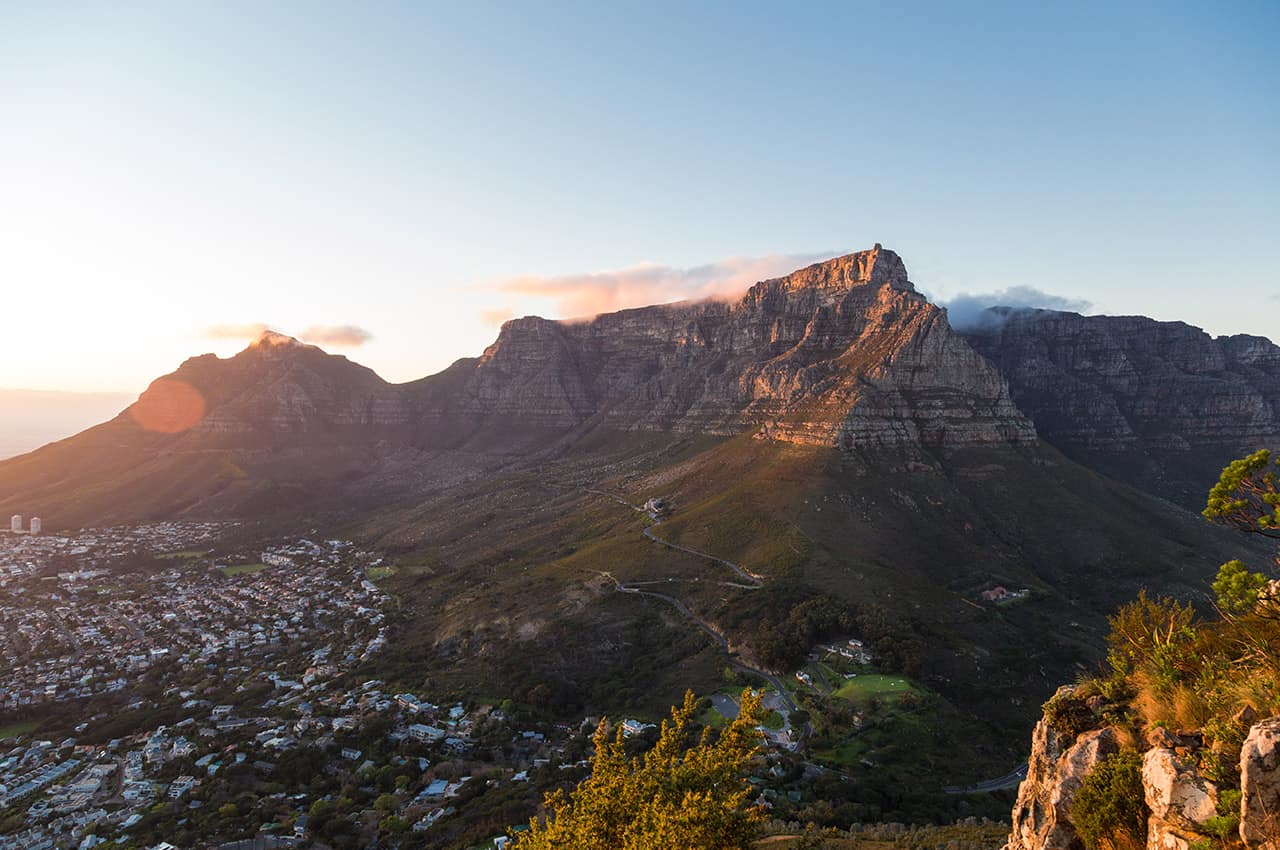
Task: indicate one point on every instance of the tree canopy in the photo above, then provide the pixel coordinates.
(1247, 498)
(682, 794)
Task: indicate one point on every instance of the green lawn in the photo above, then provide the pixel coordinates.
(870, 685)
(243, 569)
(379, 573)
(187, 554)
(13, 730)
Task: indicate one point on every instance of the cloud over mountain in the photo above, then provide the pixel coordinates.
(349, 336)
(966, 309)
(246, 331)
(591, 293)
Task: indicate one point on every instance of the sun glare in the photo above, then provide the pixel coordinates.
(169, 406)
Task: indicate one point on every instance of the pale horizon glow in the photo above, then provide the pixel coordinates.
(394, 181)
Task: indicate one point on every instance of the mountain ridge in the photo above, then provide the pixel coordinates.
(842, 353)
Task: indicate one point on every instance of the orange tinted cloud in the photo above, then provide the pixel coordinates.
(251, 330)
(592, 293)
(496, 317)
(350, 336)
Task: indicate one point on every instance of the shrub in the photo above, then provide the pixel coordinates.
(1110, 810)
(1069, 715)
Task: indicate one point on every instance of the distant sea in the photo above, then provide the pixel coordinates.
(31, 418)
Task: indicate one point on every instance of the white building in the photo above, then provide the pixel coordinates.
(15, 524)
(36, 526)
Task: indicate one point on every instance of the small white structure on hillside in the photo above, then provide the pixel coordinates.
(15, 524)
(36, 525)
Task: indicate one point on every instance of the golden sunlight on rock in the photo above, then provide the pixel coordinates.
(169, 406)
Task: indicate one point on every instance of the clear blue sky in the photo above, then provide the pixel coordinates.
(168, 167)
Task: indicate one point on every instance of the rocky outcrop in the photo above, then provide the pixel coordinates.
(1186, 808)
(1160, 404)
(1260, 786)
(1042, 813)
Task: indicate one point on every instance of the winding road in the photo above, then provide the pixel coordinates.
(750, 581)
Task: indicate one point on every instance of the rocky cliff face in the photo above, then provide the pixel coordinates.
(1160, 404)
(843, 353)
(1186, 807)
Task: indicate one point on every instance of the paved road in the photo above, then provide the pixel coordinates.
(1009, 780)
(726, 705)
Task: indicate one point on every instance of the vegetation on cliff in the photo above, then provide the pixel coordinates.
(1185, 684)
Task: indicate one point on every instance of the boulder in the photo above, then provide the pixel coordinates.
(1176, 793)
(1260, 784)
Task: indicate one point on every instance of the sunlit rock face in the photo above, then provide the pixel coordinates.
(842, 353)
(1161, 404)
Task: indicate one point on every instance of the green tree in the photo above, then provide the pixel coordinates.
(1237, 589)
(386, 803)
(1247, 496)
(393, 825)
(1110, 809)
(678, 795)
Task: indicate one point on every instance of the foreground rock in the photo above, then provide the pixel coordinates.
(1186, 809)
(1260, 784)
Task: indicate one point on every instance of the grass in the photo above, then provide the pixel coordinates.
(186, 555)
(13, 730)
(243, 569)
(895, 736)
(772, 720)
(379, 573)
(868, 686)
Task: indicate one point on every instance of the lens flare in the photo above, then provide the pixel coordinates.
(169, 406)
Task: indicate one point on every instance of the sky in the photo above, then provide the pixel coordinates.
(393, 180)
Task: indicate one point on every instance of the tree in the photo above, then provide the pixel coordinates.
(677, 795)
(1247, 498)
(1237, 589)
(1110, 809)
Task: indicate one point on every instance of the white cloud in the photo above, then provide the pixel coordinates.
(966, 310)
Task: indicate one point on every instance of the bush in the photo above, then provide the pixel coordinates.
(1069, 715)
(1110, 810)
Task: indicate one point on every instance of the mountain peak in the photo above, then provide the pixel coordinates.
(269, 339)
(877, 267)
